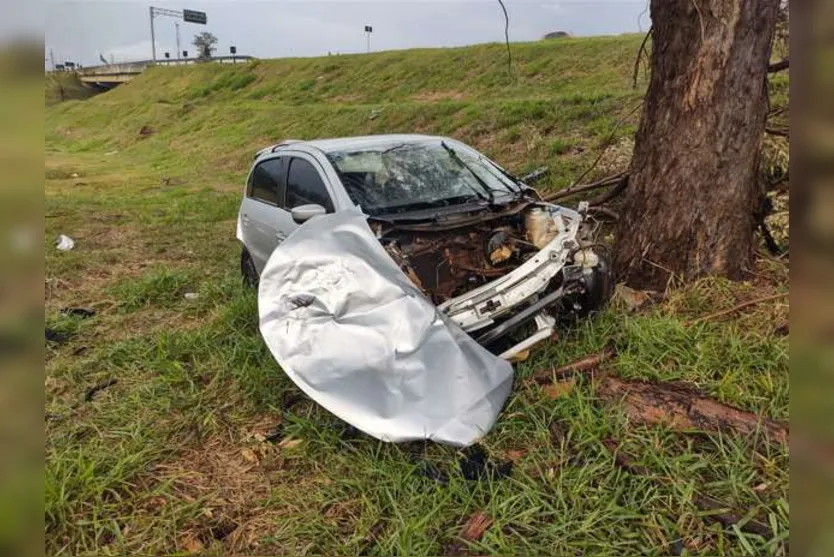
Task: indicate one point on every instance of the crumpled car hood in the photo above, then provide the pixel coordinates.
(355, 334)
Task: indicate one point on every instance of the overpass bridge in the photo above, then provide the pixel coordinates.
(107, 76)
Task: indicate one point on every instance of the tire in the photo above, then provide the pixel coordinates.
(248, 270)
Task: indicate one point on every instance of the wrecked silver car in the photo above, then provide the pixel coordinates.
(426, 268)
(479, 243)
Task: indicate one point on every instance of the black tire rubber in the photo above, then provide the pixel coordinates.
(248, 270)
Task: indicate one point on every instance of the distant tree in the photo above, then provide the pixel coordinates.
(204, 42)
(556, 35)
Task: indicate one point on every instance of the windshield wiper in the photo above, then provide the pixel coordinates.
(487, 189)
(514, 180)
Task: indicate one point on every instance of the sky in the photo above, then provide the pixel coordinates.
(80, 31)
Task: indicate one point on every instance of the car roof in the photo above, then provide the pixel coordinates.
(358, 142)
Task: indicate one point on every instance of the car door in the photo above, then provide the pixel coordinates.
(306, 183)
(261, 208)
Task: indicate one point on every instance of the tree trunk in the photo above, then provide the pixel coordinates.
(690, 208)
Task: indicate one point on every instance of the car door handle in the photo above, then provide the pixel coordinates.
(281, 236)
(245, 219)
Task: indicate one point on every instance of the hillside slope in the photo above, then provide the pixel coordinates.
(561, 102)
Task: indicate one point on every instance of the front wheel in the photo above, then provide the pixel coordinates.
(248, 270)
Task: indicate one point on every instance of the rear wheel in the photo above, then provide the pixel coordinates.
(248, 270)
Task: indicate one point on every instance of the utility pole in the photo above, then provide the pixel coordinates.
(177, 23)
(153, 40)
(52, 59)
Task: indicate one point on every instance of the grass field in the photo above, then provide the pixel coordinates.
(174, 457)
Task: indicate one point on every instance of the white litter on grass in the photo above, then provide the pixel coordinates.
(191, 295)
(64, 243)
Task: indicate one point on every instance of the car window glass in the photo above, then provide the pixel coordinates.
(305, 186)
(265, 181)
(412, 175)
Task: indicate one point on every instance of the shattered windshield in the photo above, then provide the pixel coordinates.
(415, 175)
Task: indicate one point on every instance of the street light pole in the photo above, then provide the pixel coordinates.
(368, 31)
(177, 23)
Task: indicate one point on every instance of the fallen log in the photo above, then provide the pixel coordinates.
(683, 408)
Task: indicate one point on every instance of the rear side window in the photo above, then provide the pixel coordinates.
(305, 186)
(265, 182)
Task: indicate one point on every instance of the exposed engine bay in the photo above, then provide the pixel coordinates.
(527, 261)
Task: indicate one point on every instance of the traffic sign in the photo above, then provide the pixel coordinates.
(193, 16)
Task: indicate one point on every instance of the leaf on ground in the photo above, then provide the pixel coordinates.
(559, 388)
(472, 531)
(192, 544)
(516, 454)
(289, 443)
(631, 299)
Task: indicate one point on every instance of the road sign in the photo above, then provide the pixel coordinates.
(185, 54)
(233, 49)
(193, 16)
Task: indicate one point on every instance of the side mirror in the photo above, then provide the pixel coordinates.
(306, 212)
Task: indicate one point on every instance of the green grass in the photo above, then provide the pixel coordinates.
(171, 457)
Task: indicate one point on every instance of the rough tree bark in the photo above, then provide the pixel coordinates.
(693, 191)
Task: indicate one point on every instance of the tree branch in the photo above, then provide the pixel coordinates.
(610, 194)
(579, 188)
(549, 375)
(782, 64)
(640, 53)
(738, 307)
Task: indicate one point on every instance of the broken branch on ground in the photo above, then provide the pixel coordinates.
(683, 408)
(588, 363)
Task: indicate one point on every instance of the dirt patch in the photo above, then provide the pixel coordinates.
(229, 487)
(234, 477)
